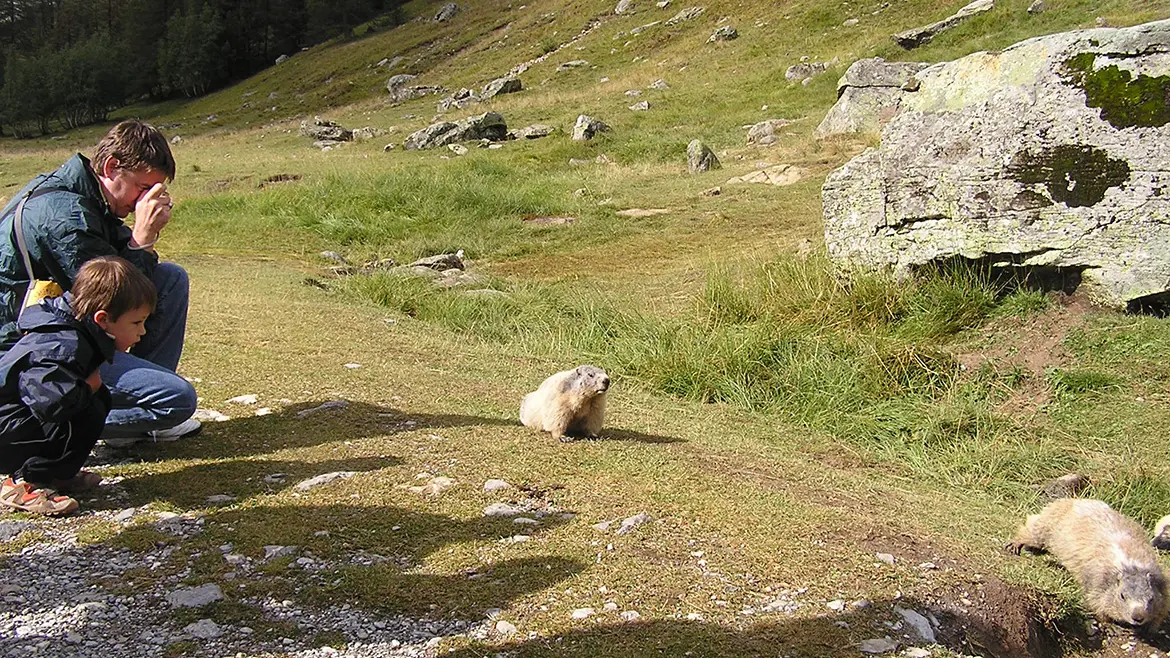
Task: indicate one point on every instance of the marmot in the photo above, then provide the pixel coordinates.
(568, 404)
(1162, 534)
(1109, 555)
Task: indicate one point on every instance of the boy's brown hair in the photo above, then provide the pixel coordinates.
(137, 146)
(111, 284)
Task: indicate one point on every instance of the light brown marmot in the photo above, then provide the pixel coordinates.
(568, 404)
(1109, 555)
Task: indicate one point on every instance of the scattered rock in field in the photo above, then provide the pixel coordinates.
(805, 70)
(333, 256)
(495, 485)
(917, 652)
(176, 139)
(1036, 7)
(446, 12)
(781, 174)
(324, 478)
(324, 406)
(919, 624)
(457, 149)
(249, 398)
(712, 191)
(884, 557)
(603, 526)
(724, 33)
(878, 645)
(365, 134)
(524, 520)
(587, 127)
(574, 64)
(764, 132)
(535, 131)
(274, 551)
(869, 95)
(489, 125)
(920, 35)
(582, 613)
(700, 157)
(125, 515)
(642, 212)
(9, 530)
(401, 91)
(220, 499)
(850, 22)
(325, 130)
(204, 629)
(502, 509)
(640, 106)
(686, 15)
(275, 478)
(505, 85)
(632, 522)
(1065, 486)
(435, 486)
(659, 84)
(441, 262)
(623, 6)
(505, 628)
(195, 597)
(836, 605)
(631, 615)
(458, 100)
(633, 92)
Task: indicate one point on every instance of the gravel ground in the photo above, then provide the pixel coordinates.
(70, 600)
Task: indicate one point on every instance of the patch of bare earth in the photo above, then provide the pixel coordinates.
(1033, 344)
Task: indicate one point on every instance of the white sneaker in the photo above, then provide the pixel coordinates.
(189, 427)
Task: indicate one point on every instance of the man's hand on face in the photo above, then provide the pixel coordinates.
(152, 212)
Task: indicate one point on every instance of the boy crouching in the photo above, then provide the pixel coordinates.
(53, 404)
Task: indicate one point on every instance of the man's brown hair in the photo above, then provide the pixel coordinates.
(137, 146)
(111, 284)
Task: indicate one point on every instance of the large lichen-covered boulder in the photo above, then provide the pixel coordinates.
(489, 125)
(868, 96)
(1054, 153)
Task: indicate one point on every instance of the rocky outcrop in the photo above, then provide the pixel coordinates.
(685, 15)
(700, 157)
(587, 127)
(920, 35)
(724, 33)
(868, 96)
(765, 132)
(1054, 153)
(446, 12)
(458, 100)
(489, 125)
(325, 130)
(506, 85)
(401, 90)
(535, 131)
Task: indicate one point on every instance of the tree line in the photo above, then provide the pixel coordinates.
(66, 63)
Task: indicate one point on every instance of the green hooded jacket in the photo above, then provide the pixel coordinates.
(63, 227)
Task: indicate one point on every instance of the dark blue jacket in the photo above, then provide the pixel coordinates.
(63, 227)
(44, 373)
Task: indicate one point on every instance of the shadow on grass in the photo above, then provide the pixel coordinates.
(303, 425)
(1004, 631)
(239, 478)
(639, 437)
(371, 551)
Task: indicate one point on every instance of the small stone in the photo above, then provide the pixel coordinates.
(885, 557)
(1036, 7)
(324, 478)
(916, 652)
(505, 628)
(495, 485)
(610, 607)
(272, 552)
(457, 149)
(204, 629)
(916, 621)
(640, 106)
(275, 478)
(878, 645)
(220, 499)
(631, 615)
(836, 605)
(603, 526)
(325, 406)
(523, 520)
(632, 522)
(501, 509)
(194, 597)
(850, 22)
(659, 84)
(250, 398)
(583, 613)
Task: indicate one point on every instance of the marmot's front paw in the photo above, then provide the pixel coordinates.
(1013, 547)
(566, 438)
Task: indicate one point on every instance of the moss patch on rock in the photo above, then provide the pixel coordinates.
(1074, 174)
(1124, 101)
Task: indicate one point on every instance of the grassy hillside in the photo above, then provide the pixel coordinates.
(781, 425)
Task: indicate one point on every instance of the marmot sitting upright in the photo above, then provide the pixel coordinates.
(568, 404)
(1109, 555)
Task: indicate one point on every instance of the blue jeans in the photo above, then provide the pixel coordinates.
(147, 394)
